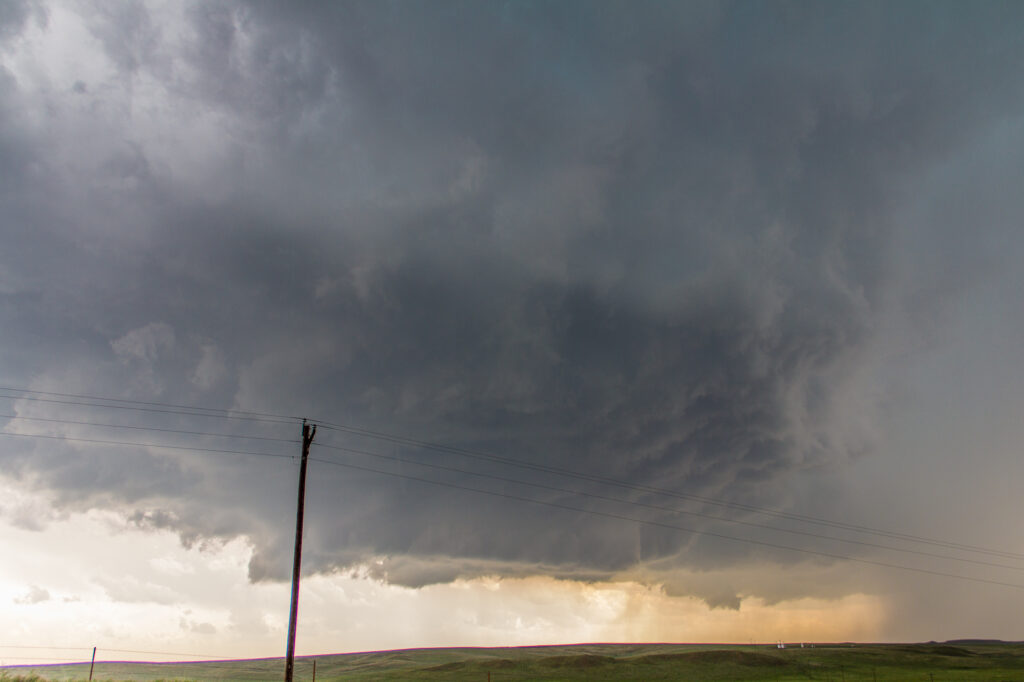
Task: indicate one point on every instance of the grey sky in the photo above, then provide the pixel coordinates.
(761, 252)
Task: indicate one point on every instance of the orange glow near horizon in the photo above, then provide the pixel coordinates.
(175, 599)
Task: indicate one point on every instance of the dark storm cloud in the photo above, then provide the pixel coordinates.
(645, 241)
(13, 16)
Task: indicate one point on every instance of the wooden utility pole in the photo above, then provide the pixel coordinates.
(92, 664)
(307, 438)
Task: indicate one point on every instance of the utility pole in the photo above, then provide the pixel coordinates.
(92, 664)
(307, 438)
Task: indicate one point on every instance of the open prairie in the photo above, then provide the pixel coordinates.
(931, 662)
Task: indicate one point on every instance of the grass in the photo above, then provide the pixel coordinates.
(961, 662)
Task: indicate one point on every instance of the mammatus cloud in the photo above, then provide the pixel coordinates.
(647, 244)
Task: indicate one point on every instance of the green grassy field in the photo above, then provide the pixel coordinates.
(966, 661)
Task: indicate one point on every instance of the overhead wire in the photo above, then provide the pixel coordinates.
(504, 479)
(149, 402)
(44, 658)
(511, 462)
(672, 510)
(144, 408)
(479, 455)
(569, 473)
(187, 410)
(150, 428)
(39, 646)
(661, 524)
(106, 649)
(162, 653)
(145, 445)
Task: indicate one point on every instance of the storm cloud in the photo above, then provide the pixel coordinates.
(656, 243)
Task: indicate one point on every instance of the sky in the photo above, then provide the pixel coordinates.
(620, 321)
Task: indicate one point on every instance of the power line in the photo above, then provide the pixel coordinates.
(173, 408)
(660, 524)
(116, 651)
(568, 473)
(149, 428)
(45, 658)
(482, 475)
(163, 653)
(263, 417)
(147, 402)
(61, 648)
(672, 510)
(145, 445)
(150, 409)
